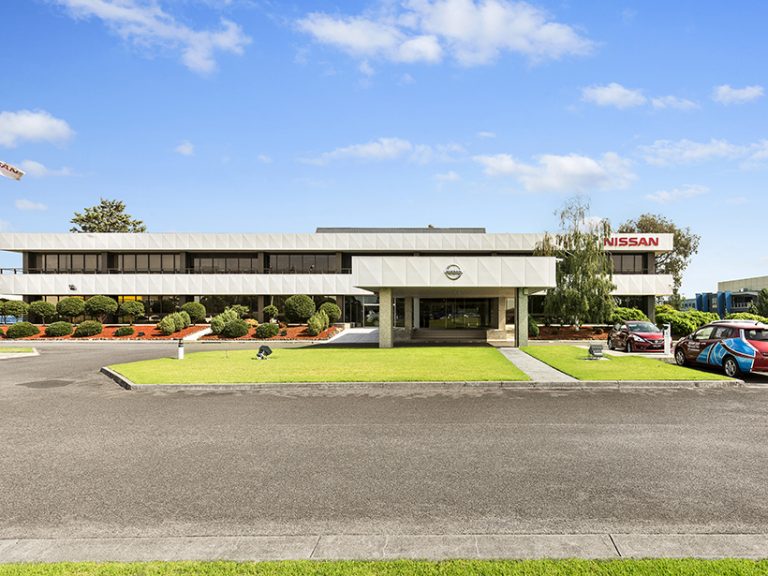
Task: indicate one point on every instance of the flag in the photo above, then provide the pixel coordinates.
(10, 171)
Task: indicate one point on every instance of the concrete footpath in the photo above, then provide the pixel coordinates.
(537, 370)
(382, 546)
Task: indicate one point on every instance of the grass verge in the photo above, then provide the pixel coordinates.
(651, 567)
(573, 361)
(16, 350)
(327, 365)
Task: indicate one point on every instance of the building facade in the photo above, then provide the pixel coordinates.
(732, 296)
(431, 283)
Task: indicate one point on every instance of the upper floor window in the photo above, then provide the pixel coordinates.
(630, 263)
(301, 263)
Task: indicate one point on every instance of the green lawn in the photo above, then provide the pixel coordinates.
(16, 350)
(327, 365)
(572, 360)
(685, 567)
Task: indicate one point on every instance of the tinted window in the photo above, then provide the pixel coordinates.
(756, 334)
(704, 334)
(642, 327)
(721, 333)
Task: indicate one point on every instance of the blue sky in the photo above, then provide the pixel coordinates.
(247, 115)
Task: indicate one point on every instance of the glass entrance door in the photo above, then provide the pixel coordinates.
(370, 315)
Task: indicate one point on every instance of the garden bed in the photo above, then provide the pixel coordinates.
(149, 330)
(570, 333)
(292, 333)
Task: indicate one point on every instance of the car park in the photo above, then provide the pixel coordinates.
(636, 336)
(735, 346)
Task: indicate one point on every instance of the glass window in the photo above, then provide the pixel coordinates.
(758, 334)
(168, 262)
(92, 262)
(721, 332)
(155, 263)
(704, 334)
(244, 265)
(129, 262)
(142, 262)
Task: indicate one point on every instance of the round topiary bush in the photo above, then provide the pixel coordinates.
(315, 325)
(132, 309)
(124, 331)
(299, 308)
(332, 310)
(70, 307)
(22, 330)
(16, 308)
(42, 310)
(533, 328)
(267, 330)
(196, 312)
(270, 312)
(88, 328)
(185, 319)
(58, 329)
(323, 318)
(167, 325)
(100, 307)
(234, 329)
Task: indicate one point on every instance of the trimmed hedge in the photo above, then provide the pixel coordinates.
(299, 308)
(21, 330)
(747, 316)
(88, 328)
(315, 325)
(124, 331)
(332, 310)
(70, 307)
(133, 309)
(196, 312)
(42, 310)
(270, 312)
(100, 307)
(234, 329)
(17, 308)
(58, 329)
(621, 315)
(683, 323)
(167, 325)
(267, 330)
(220, 320)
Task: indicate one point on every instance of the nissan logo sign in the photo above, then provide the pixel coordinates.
(453, 272)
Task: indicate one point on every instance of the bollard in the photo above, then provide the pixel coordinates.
(667, 339)
(180, 350)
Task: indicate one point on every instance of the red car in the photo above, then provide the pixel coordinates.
(636, 336)
(736, 346)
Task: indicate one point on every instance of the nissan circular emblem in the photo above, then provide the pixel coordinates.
(453, 272)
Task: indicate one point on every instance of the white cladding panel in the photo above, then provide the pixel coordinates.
(643, 284)
(385, 242)
(476, 271)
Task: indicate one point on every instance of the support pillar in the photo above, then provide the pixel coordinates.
(408, 315)
(650, 308)
(416, 314)
(521, 317)
(260, 303)
(385, 318)
(501, 313)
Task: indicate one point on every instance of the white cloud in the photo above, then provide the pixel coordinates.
(186, 148)
(614, 95)
(38, 170)
(673, 102)
(567, 173)
(390, 149)
(28, 205)
(669, 152)
(366, 69)
(737, 200)
(471, 32)
(449, 176)
(264, 159)
(726, 94)
(144, 23)
(485, 134)
(32, 126)
(676, 194)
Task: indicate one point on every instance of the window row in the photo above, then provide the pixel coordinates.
(301, 263)
(630, 263)
(72, 263)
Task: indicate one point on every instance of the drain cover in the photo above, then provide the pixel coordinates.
(46, 383)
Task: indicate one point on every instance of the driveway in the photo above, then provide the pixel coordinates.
(81, 457)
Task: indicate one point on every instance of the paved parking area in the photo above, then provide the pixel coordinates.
(83, 458)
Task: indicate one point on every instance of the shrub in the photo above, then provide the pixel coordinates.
(323, 318)
(747, 316)
(58, 329)
(178, 321)
(185, 319)
(299, 308)
(196, 312)
(22, 330)
(533, 327)
(132, 309)
(42, 310)
(333, 311)
(270, 312)
(267, 330)
(701, 318)
(220, 320)
(238, 309)
(621, 315)
(124, 331)
(70, 307)
(234, 329)
(17, 308)
(283, 332)
(100, 307)
(89, 328)
(167, 325)
(315, 325)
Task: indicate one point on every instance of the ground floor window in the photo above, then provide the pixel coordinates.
(450, 313)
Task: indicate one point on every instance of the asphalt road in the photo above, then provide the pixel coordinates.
(81, 457)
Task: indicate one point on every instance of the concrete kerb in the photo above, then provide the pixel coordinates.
(422, 386)
(11, 355)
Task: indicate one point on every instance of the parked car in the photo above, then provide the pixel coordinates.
(736, 346)
(636, 336)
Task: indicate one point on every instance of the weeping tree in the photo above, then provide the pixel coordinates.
(584, 269)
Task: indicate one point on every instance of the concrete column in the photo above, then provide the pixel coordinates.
(650, 308)
(521, 317)
(408, 314)
(501, 313)
(416, 314)
(260, 303)
(385, 318)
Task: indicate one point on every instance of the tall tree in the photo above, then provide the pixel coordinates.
(106, 216)
(584, 270)
(761, 303)
(686, 244)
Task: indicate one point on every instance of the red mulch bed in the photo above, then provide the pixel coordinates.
(150, 333)
(293, 333)
(570, 333)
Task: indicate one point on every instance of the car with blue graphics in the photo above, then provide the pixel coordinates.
(735, 346)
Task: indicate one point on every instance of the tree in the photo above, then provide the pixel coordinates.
(584, 271)
(761, 303)
(42, 309)
(299, 308)
(686, 244)
(132, 309)
(70, 307)
(107, 216)
(100, 307)
(17, 308)
(196, 312)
